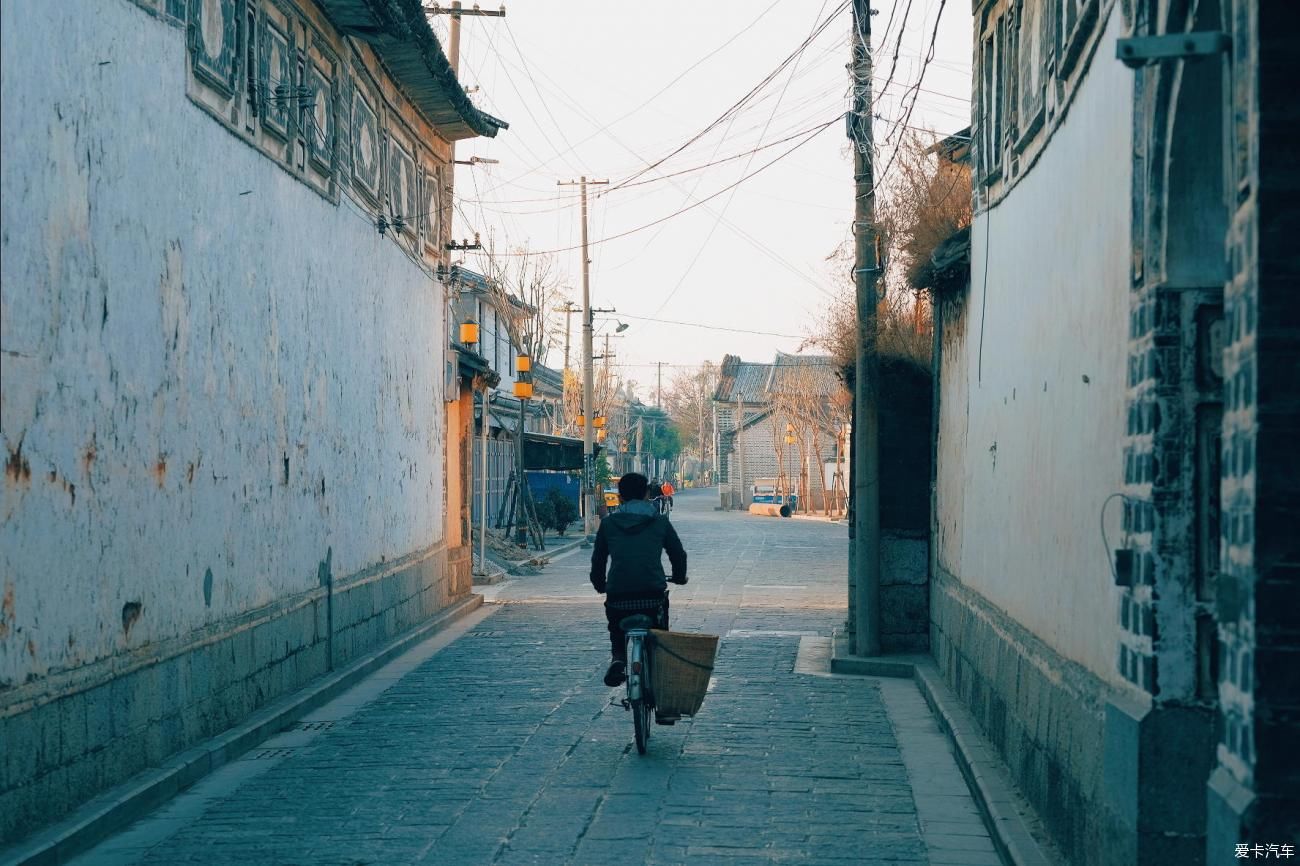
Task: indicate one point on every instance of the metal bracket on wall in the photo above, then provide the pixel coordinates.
(1139, 51)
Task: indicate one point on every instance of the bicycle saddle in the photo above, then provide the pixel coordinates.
(639, 620)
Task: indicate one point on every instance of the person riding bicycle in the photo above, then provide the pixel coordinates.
(667, 490)
(655, 494)
(635, 538)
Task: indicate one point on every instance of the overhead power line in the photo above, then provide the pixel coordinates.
(709, 327)
(816, 131)
(767, 79)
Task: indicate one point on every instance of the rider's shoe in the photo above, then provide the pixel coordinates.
(616, 675)
(666, 720)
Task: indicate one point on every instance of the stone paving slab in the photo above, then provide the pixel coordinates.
(505, 748)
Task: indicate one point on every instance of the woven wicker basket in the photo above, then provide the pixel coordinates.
(679, 675)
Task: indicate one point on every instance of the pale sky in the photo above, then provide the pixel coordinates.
(589, 88)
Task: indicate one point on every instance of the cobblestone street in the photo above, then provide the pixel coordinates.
(496, 742)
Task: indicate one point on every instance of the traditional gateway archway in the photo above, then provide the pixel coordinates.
(1210, 607)
(1168, 646)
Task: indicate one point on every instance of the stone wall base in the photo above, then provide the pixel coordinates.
(75, 734)
(904, 592)
(1043, 713)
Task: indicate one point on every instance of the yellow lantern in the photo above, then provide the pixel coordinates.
(600, 435)
(598, 421)
(523, 363)
(523, 390)
(469, 332)
(789, 439)
(581, 421)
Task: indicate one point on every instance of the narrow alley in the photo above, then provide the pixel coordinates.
(496, 742)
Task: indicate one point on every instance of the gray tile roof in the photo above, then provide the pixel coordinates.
(399, 32)
(752, 382)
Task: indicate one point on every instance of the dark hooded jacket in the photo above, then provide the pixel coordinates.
(635, 537)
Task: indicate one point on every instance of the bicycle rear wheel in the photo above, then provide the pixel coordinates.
(641, 722)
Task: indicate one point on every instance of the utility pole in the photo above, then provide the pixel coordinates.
(740, 450)
(865, 524)
(659, 390)
(568, 309)
(588, 443)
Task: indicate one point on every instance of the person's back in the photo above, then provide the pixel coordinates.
(632, 542)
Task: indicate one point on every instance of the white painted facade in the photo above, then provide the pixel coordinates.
(207, 365)
(1032, 380)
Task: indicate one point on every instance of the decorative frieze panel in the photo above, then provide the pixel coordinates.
(214, 43)
(403, 206)
(431, 212)
(320, 114)
(275, 76)
(365, 144)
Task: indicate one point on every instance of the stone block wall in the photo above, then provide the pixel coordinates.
(1041, 712)
(89, 729)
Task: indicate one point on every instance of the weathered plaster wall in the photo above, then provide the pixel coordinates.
(212, 376)
(1041, 371)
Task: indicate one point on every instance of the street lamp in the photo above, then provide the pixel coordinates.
(469, 332)
(622, 326)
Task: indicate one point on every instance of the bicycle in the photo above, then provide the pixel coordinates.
(640, 650)
(640, 697)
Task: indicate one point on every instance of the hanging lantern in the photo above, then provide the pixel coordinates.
(581, 421)
(600, 435)
(789, 429)
(523, 363)
(789, 439)
(598, 422)
(469, 332)
(523, 390)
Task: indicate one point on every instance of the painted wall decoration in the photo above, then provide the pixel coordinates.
(214, 36)
(431, 216)
(276, 75)
(402, 200)
(365, 144)
(321, 117)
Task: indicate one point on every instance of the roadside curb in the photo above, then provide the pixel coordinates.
(1000, 802)
(120, 805)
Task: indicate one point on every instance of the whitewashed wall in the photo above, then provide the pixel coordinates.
(1032, 412)
(206, 365)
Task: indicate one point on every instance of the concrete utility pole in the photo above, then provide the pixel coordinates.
(568, 309)
(659, 391)
(456, 11)
(521, 489)
(866, 271)
(740, 450)
(483, 475)
(588, 443)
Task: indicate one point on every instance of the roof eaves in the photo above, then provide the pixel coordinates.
(400, 33)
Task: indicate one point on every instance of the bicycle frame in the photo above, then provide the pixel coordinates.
(638, 663)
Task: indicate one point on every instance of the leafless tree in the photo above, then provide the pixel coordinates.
(808, 406)
(924, 201)
(689, 402)
(533, 279)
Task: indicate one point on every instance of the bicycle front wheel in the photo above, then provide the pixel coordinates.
(641, 722)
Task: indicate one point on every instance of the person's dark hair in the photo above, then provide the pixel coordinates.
(632, 486)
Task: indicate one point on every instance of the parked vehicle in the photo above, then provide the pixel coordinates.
(765, 492)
